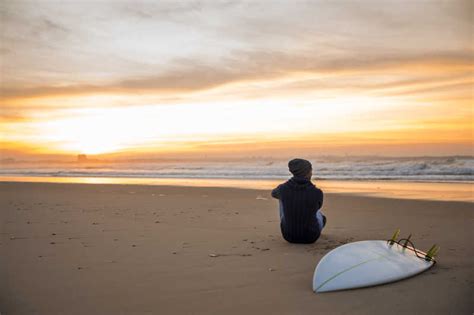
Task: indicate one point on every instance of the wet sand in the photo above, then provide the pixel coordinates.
(131, 249)
(453, 191)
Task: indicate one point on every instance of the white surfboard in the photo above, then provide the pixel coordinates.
(366, 263)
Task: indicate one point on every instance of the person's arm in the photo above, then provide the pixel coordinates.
(320, 197)
(276, 192)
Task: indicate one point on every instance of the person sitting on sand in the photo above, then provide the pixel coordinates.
(301, 220)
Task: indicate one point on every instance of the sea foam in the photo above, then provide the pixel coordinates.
(430, 169)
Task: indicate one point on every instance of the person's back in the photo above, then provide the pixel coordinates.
(300, 202)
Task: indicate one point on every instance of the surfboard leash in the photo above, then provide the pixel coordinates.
(422, 255)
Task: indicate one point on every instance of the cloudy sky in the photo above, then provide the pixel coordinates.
(191, 77)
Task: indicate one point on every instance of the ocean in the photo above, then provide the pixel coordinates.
(422, 169)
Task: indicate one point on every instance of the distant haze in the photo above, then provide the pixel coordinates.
(168, 79)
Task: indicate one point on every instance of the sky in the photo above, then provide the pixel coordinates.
(235, 78)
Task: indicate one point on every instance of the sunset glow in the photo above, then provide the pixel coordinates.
(217, 78)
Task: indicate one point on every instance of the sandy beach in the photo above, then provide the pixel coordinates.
(137, 249)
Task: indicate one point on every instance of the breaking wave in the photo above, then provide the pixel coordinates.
(430, 169)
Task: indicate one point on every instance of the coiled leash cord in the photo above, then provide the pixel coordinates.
(419, 254)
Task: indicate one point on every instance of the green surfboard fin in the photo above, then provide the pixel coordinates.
(394, 237)
(432, 252)
(406, 241)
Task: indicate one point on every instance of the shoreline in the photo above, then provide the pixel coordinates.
(440, 191)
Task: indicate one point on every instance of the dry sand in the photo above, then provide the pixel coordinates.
(130, 249)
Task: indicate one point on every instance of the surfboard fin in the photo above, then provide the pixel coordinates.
(394, 237)
(432, 252)
(406, 241)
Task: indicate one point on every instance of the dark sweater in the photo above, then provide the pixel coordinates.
(300, 200)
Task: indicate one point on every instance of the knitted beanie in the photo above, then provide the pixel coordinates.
(299, 167)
